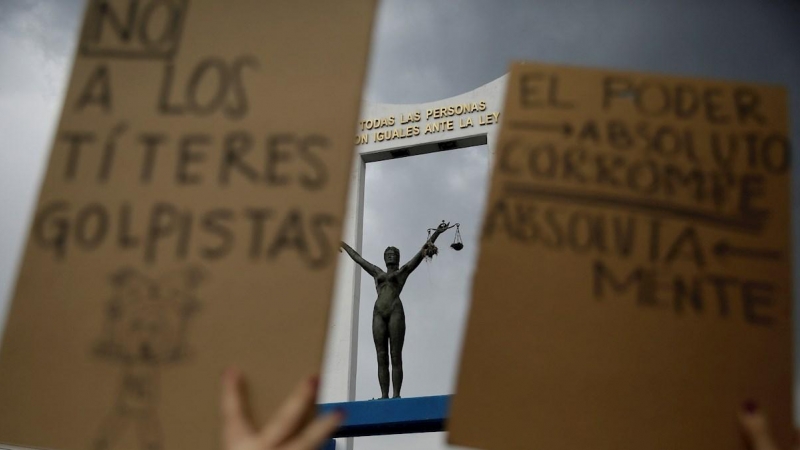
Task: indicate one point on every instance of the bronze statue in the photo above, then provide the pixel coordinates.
(388, 317)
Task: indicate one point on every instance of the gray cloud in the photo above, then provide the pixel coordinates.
(428, 50)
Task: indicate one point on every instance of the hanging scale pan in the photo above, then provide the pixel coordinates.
(457, 244)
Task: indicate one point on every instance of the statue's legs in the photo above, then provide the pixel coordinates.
(380, 334)
(397, 336)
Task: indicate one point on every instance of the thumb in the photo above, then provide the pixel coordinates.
(237, 426)
(756, 428)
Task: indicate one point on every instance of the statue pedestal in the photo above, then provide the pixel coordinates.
(392, 416)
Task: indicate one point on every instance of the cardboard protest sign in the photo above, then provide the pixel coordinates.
(633, 287)
(189, 220)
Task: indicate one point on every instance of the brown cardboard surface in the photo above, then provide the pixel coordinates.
(189, 220)
(633, 287)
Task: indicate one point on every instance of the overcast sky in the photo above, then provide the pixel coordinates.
(423, 50)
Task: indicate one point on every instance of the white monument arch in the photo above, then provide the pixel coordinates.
(389, 131)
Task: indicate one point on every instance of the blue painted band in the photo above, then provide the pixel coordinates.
(394, 416)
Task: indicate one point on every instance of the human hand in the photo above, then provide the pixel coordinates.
(288, 429)
(756, 429)
(443, 226)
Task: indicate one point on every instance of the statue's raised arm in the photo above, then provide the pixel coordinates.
(414, 262)
(370, 268)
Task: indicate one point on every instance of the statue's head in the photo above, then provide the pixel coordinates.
(391, 256)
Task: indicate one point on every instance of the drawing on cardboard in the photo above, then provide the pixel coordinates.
(146, 326)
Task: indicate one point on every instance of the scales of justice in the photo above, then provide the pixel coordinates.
(388, 316)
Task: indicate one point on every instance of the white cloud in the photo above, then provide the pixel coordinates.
(36, 41)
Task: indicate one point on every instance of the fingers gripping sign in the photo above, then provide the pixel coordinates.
(288, 429)
(756, 429)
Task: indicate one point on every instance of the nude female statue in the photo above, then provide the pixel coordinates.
(388, 317)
